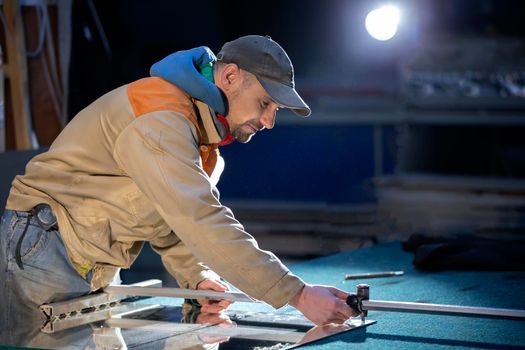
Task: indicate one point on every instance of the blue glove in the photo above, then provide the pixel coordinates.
(182, 69)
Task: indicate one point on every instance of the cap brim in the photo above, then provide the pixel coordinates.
(286, 96)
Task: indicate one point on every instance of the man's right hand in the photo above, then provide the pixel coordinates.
(323, 304)
(213, 306)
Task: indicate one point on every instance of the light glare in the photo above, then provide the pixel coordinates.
(382, 22)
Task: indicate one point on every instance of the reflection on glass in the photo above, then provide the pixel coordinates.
(173, 327)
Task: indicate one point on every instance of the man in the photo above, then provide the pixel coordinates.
(140, 164)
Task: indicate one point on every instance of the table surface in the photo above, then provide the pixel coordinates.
(392, 330)
(418, 331)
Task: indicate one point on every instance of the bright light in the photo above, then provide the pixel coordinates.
(382, 23)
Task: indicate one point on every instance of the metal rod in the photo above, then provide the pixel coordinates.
(467, 311)
(59, 324)
(65, 308)
(177, 293)
(373, 275)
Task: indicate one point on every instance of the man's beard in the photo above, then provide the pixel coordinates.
(241, 135)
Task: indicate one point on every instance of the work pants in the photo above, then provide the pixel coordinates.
(46, 275)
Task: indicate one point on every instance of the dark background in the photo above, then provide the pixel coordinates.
(324, 158)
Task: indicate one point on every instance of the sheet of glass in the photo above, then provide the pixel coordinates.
(141, 326)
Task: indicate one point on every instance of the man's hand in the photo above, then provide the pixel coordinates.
(213, 306)
(219, 320)
(323, 304)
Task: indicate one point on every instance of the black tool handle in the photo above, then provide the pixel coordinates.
(354, 302)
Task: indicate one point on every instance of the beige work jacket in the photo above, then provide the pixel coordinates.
(135, 166)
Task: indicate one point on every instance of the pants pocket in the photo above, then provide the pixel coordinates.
(32, 243)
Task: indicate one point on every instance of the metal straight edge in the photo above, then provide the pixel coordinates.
(466, 311)
(76, 305)
(178, 293)
(52, 326)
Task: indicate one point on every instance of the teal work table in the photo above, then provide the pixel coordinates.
(407, 330)
(418, 331)
(392, 330)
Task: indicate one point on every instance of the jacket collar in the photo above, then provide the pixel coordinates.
(214, 129)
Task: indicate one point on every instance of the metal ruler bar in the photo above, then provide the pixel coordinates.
(467, 311)
(177, 293)
(56, 325)
(77, 305)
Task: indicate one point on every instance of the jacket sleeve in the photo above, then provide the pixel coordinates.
(159, 152)
(217, 171)
(180, 261)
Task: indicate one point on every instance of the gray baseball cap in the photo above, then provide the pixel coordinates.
(268, 61)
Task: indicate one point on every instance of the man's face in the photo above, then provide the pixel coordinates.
(251, 109)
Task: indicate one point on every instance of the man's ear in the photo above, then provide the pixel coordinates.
(230, 77)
